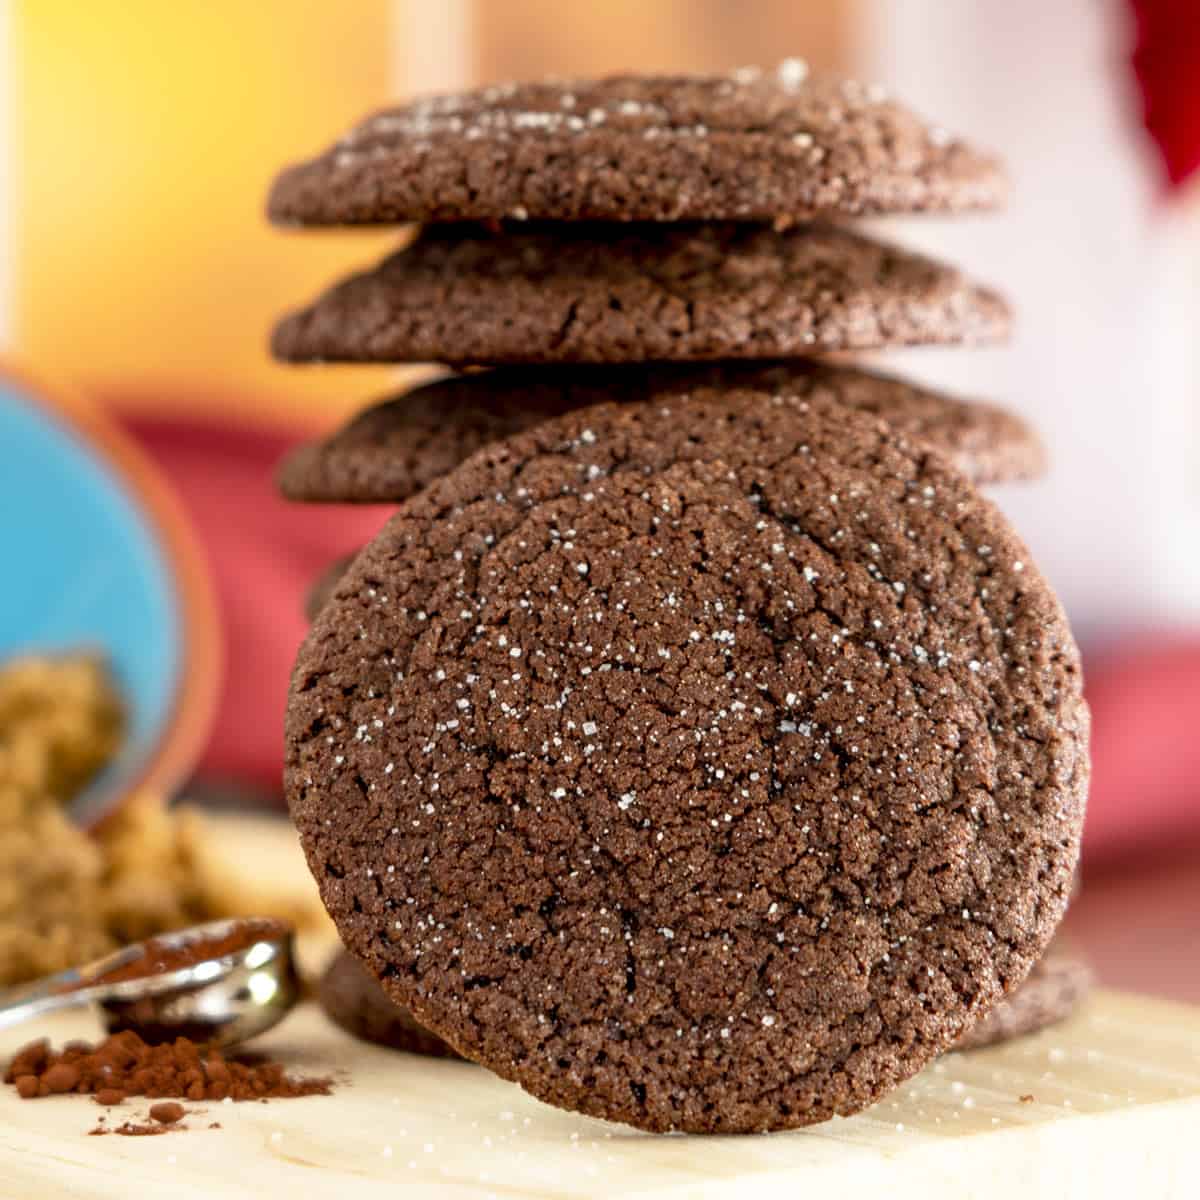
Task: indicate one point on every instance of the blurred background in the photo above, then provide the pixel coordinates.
(137, 142)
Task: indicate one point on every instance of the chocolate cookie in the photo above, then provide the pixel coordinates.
(584, 293)
(707, 765)
(352, 998)
(395, 448)
(324, 585)
(751, 146)
(1050, 993)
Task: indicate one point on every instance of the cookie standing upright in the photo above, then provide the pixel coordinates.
(762, 146)
(708, 767)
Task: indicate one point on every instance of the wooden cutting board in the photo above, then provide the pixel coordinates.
(1106, 1105)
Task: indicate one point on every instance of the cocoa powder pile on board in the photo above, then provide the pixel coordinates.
(123, 1065)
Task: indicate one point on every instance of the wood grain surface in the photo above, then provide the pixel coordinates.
(1106, 1105)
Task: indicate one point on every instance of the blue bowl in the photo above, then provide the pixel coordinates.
(88, 567)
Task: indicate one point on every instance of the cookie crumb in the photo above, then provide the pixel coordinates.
(134, 1129)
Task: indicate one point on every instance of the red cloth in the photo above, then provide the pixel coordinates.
(1145, 698)
(264, 554)
(1166, 62)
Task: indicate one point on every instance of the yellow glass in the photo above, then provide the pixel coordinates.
(146, 134)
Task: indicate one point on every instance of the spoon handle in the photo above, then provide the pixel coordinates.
(18, 1004)
(64, 989)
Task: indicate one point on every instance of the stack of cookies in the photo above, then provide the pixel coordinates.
(696, 746)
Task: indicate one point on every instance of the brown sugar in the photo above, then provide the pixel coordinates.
(67, 896)
(179, 1070)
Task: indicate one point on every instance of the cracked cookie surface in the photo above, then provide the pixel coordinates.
(464, 294)
(396, 447)
(708, 765)
(752, 146)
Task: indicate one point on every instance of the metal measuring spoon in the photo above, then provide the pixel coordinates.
(221, 1000)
